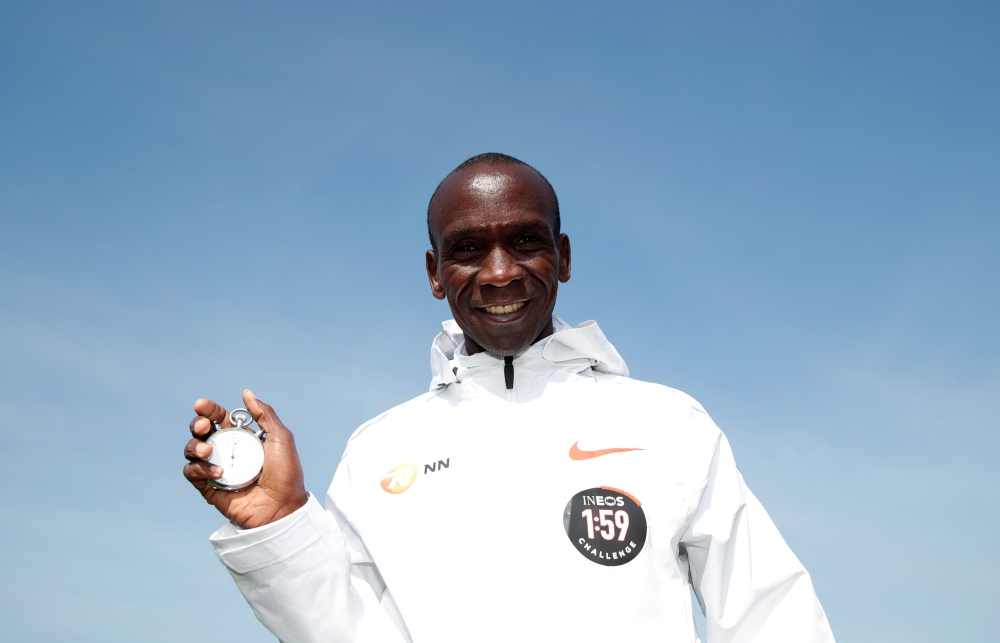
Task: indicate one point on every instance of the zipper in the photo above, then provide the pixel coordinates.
(508, 376)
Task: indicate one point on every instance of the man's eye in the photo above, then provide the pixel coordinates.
(464, 248)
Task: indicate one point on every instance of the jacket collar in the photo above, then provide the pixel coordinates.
(576, 349)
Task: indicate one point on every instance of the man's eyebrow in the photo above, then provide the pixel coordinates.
(453, 236)
(534, 226)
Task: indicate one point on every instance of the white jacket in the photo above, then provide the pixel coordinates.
(577, 506)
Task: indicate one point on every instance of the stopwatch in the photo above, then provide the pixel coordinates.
(239, 450)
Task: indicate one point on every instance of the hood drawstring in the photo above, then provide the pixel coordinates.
(508, 371)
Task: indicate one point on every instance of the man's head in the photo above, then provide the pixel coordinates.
(497, 254)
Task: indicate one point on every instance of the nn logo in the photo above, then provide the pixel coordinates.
(402, 477)
(437, 466)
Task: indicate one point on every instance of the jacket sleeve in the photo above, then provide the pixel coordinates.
(750, 585)
(308, 578)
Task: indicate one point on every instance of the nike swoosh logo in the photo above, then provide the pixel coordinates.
(576, 453)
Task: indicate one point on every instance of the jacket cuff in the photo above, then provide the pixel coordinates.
(247, 550)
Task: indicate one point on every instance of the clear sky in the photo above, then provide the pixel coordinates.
(790, 211)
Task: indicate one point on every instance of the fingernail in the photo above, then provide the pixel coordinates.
(216, 470)
(250, 393)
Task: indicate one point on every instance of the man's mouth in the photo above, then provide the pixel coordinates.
(504, 308)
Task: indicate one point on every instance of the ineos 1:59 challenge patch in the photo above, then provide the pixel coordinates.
(606, 525)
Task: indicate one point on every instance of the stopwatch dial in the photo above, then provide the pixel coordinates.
(239, 453)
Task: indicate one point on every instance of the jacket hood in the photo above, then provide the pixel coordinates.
(584, 344)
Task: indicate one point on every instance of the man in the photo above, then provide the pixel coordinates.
(535, 493)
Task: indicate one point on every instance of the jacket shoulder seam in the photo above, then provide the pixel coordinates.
(378, 418)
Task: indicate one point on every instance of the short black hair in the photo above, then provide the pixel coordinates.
(495, 158)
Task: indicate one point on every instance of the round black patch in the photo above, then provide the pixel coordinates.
(606, 525)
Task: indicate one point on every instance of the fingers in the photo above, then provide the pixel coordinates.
(196, 449)
(208, 412)
(199, 471)
(200, 427)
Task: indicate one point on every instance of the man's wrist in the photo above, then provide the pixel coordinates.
(290, 507)
(285, 510)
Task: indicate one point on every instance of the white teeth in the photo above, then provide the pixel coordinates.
(509, 308)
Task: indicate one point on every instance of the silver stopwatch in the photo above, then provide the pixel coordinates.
(239, 450)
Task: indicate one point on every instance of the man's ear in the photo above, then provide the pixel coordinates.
(565, 254)
(437, 288)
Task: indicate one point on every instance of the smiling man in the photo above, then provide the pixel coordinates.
(535, 492)
(497, 254)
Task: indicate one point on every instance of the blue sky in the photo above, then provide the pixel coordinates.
(790, 211)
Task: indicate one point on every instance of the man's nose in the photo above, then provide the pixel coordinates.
(499, 269)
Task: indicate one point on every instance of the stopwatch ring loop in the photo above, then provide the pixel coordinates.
(243, 414)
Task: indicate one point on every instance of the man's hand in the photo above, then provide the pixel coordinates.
(279, 491)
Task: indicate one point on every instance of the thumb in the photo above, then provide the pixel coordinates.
(262, 413)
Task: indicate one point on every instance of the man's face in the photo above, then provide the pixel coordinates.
(497, 260)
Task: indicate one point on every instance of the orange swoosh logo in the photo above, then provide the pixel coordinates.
(576, 453)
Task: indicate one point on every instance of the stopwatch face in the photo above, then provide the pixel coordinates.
(241, 456)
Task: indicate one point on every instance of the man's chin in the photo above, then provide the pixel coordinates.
(504, 338)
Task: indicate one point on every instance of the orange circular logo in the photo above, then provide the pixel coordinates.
(400, 478)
